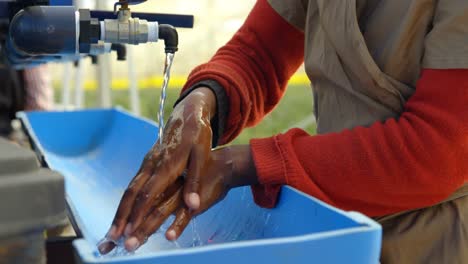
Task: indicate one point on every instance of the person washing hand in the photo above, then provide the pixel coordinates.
(390, 83)
(186, 146)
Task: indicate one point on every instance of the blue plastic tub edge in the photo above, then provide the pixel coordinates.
(23, 116)
(87, 252)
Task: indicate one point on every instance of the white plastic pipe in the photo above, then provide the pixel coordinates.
(104, 81)
(104, 70)
(66, 85)
(153, 31)
(133, 82)
(79, 92)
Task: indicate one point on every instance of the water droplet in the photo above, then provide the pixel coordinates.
(176, 244)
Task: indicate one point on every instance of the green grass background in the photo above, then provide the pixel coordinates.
(295, 106)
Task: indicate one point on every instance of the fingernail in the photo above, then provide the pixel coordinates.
(128, 230)
(194, 200)
(104, 247)
(171, 235)
(111, 234)
(132, 244)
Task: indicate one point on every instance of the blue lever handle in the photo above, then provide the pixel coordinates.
(128, 2)
(180, 21)
(135, 2)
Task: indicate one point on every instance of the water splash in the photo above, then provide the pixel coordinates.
(196, 239)
(162, 100)
(254, 224)
(176, 244)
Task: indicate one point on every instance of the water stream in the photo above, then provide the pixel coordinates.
(157, 238)
(162, 100)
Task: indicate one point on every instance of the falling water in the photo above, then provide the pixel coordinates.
(162, 101)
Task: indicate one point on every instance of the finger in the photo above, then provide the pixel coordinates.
(197, 160)
(154, 221)
(147, 198)
(106, 247)
(168, 193)
(181, 221)
(128, 199)
(154, 153)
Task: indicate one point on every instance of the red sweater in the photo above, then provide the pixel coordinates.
(411, 162)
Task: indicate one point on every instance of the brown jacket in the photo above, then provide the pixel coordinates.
(375, 50)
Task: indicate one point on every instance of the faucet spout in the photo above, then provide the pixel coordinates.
(170, 36)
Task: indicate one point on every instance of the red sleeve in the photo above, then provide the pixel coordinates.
(254, 67)
(411, 162)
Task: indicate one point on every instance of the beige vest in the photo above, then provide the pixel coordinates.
(364, 58)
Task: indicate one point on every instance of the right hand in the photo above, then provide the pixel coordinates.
(214, 185)
(186, 145)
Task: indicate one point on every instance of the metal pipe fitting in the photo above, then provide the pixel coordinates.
(128, 30)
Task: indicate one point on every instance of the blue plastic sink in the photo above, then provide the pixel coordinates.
(99, 151)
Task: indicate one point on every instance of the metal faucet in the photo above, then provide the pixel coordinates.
(128, 30)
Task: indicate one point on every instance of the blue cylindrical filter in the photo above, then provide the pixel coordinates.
(45, 30)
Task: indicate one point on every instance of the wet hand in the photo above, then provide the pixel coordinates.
(214, 185)
(185, 146)
(224, 169)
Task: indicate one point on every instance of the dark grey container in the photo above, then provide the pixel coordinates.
(32, 199)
